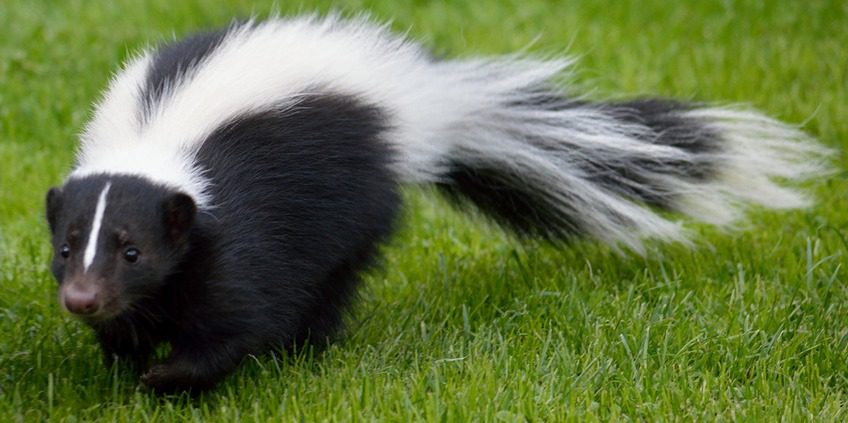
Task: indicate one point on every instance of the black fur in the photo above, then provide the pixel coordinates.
(508, 201)
(174, 61)
(302, 199)
(667, 127)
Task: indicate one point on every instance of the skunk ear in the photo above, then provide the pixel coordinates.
(179, 211)
(54, 204)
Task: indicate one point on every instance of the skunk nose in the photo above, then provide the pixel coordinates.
(81, 300)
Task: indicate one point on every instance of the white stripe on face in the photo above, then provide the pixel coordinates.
(91, 247)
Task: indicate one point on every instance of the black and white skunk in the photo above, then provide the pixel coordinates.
(230, 186)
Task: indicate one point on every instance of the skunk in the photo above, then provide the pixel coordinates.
(231, 186)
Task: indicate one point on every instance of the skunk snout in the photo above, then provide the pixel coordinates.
(81, 298)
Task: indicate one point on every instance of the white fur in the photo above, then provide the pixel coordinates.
(757, 149)
(275, 63)
(438, 110)
(97, 222)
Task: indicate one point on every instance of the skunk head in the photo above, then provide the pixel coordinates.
(115, 241)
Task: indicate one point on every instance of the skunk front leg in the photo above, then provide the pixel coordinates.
(127, 342)
(193, 367)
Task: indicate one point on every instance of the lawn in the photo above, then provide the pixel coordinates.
(461, 322)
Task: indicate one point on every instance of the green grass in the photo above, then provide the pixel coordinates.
(461, 322)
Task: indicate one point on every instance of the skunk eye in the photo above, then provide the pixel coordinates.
(65, 251)
(131, 254)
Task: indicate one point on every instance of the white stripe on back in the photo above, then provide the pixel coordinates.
(91, 247)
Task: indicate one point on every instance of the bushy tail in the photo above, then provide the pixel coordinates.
(543, 164)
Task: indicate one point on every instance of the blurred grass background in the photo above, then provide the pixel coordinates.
(461, 322)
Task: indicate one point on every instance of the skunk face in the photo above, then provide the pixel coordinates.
(115, 240)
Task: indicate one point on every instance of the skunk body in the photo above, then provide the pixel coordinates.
(231, 185)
